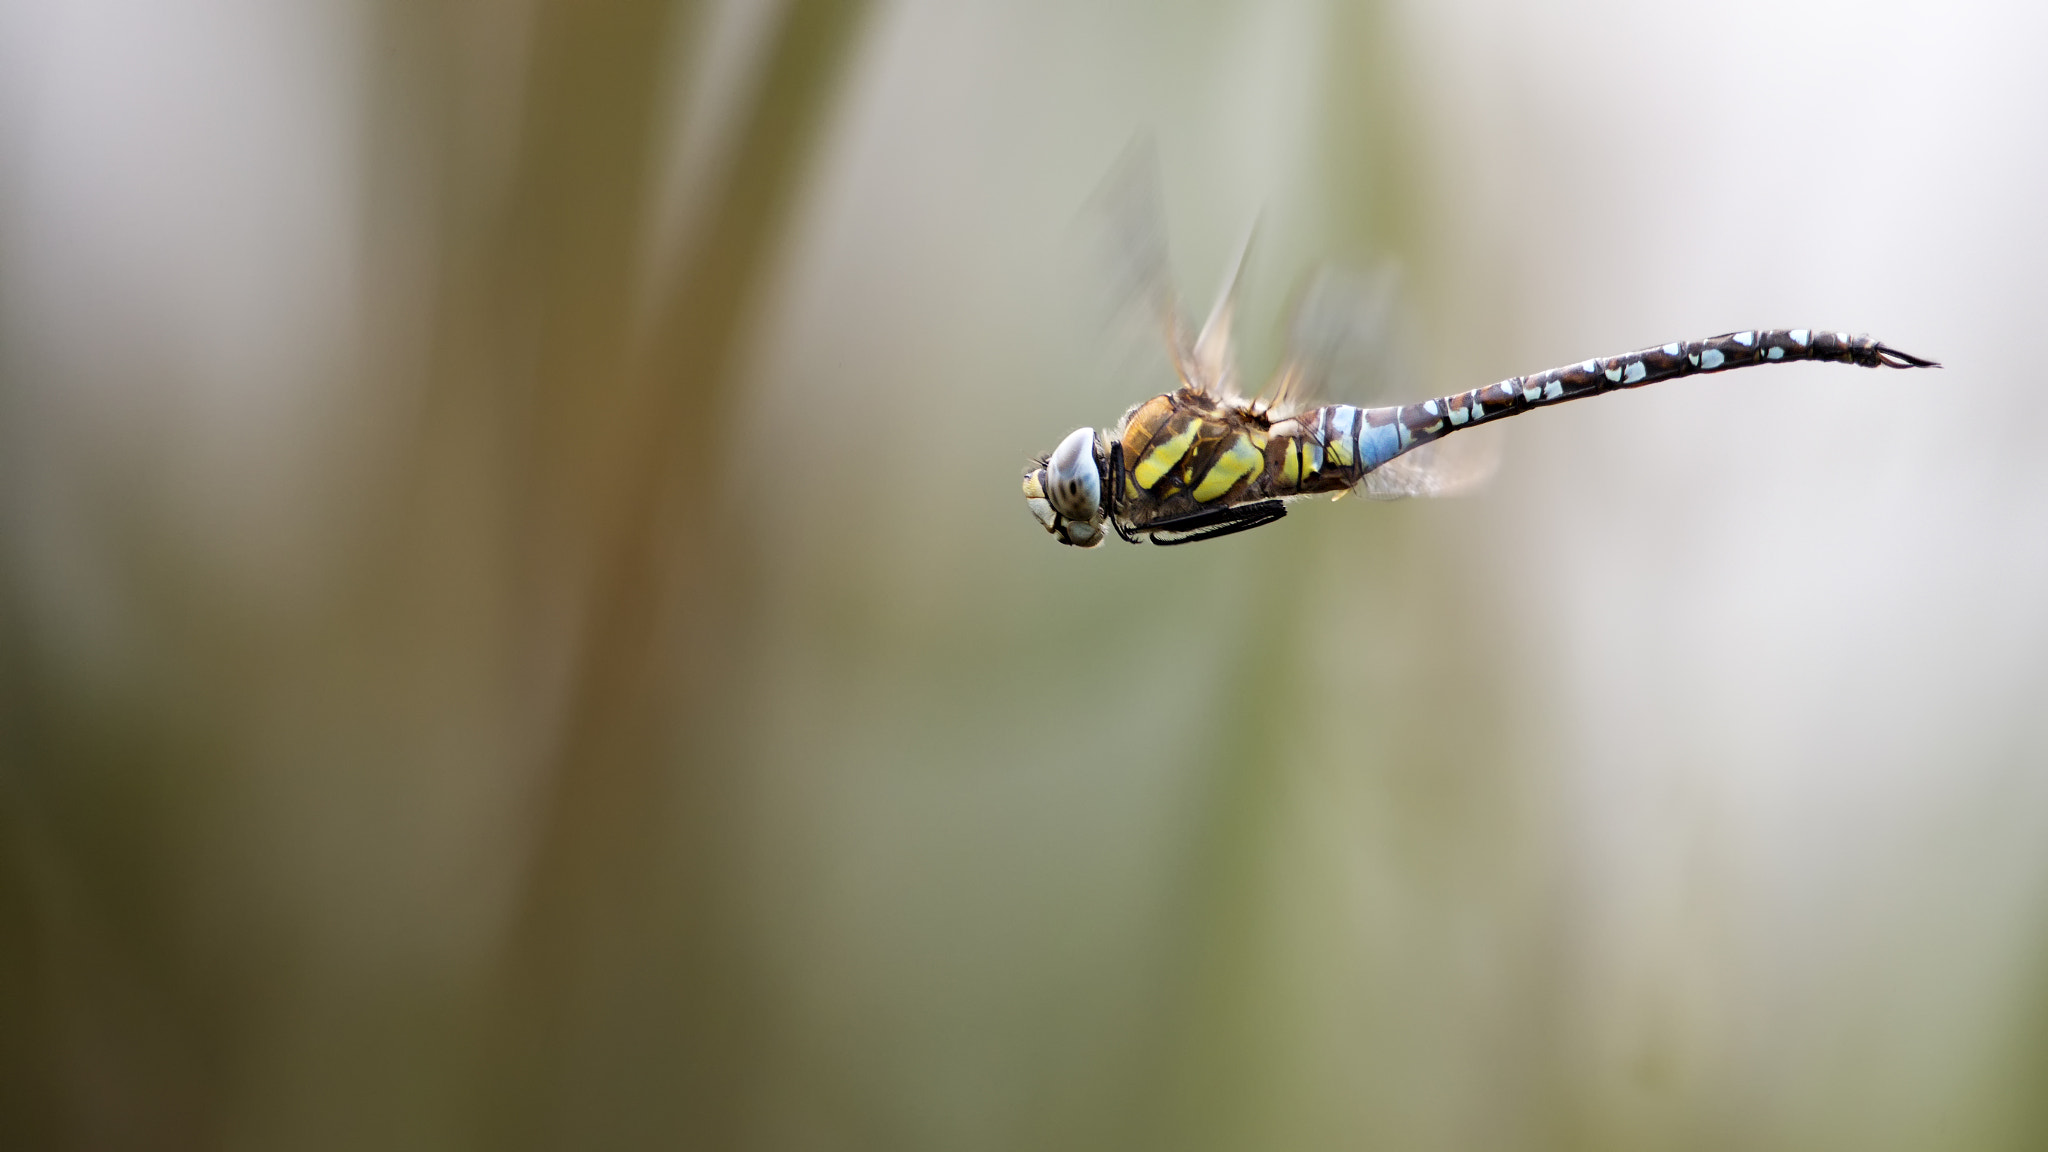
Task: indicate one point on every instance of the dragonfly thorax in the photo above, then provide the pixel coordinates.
(1066, 494)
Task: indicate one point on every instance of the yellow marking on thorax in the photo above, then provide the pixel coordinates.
(1145, 423)
(1340, 452)
(1290, 472)
(1237, 462)
(1161, 459)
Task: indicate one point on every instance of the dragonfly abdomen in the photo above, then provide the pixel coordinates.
(1414, 424)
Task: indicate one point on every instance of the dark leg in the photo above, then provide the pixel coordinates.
(1216, 523)
(1113, 490)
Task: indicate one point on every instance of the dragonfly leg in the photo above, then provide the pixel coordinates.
(1218, 522)
(1113, 487)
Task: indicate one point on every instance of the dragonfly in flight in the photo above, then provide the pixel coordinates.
(1203, 461)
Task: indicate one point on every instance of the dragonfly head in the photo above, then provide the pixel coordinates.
(1066, 494)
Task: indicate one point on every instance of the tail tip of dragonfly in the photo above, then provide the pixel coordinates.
(1893, 358)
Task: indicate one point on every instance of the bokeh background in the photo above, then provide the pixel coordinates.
(518, 629)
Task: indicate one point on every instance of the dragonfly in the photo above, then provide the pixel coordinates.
(1204, 461)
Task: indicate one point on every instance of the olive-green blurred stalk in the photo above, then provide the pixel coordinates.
(542, 582)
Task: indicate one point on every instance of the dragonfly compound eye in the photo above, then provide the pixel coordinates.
(1073, 482)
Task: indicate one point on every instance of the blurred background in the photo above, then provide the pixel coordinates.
(518, 627)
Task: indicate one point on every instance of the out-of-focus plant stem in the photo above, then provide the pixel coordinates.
(614, 452)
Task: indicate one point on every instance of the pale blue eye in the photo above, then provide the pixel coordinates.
(1072, 481)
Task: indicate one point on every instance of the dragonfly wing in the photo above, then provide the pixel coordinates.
(1452, 466)
(1342, 343)
(1214, 358)
(1129, 213)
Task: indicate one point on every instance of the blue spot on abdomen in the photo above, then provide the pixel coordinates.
(1378, 443)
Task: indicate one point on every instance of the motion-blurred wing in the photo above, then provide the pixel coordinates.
(1215, 358)
(1342, 344)
(1345, 345)
(1452, 466)
(1129, 214)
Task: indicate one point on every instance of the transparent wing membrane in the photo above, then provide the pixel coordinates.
(1341, 343)
(1345, 345)
(1130, 213)
(1215, 357)
(1126, 222)
(1453, 466)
